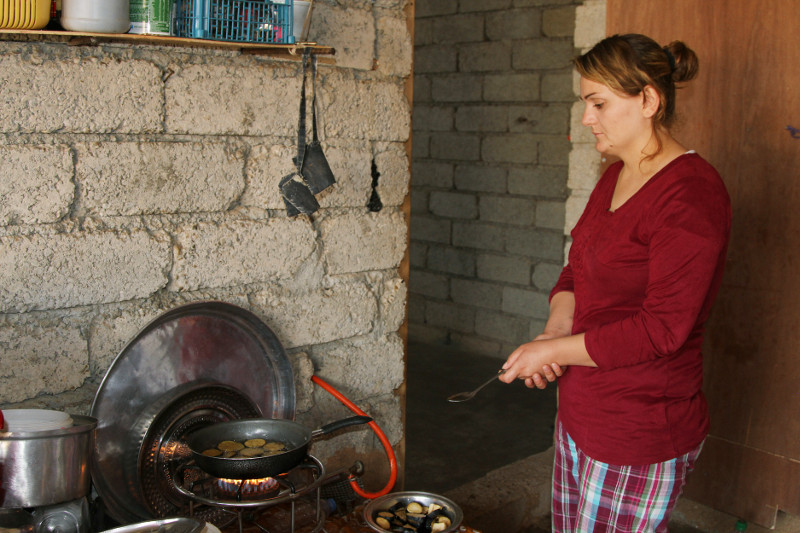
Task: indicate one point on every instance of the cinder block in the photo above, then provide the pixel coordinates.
(433, 117)
(430, 229)
(37, 186)
(429, 284)
(550, 214)
(384, 112)
(484, 57)
(554, 150)
(432, 8)
(548, 119)
(213, 99)
(513, 24)
(318, 315)
(479, 235)
(558, 22)
(545, 275)
(575, 205)
(557, 87)
(507, 210)
(454, 205)
(81, 268)
(41, 359)
(480, 177)
(458, 29)
(422, 88)
(466, 6)
(590, 23)
(360, 242)
(394, 48)
(421, 144)
(355, 48)
(476, 293)
(512, 87)
(451, 260)
(510, 148)
(376, 374)
(456, 146)
(132, 178)
(584, 167)
(457, 88)
(435, 59)
(542, 54)
(502, 327)
(238, 252)
(391, 162)
(125, 96)
(432, 174)
(502, 268)
(540, 180)
(536, 243)
(482, 118)
(526, 302)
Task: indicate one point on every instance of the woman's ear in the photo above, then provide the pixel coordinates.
(650, 101)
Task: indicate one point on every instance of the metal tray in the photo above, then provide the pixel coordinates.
(197, 342)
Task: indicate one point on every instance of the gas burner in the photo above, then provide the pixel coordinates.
(252, 501)
(200, 487)
(247, 489)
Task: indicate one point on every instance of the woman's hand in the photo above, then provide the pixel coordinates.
(533, 363)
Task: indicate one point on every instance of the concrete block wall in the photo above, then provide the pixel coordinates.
(493, 92)
(135, 178)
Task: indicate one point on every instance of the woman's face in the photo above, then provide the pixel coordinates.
(620, 123)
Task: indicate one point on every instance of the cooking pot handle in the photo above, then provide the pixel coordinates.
(341, 424)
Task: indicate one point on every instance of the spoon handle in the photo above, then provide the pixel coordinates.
(499, 373)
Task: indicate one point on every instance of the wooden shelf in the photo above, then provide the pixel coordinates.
(279, 51)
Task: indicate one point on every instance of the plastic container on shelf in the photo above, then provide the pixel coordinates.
(96, 16)
(24, 14)
(251, 21)
(300, 13)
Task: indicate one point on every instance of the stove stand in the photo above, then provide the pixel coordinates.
(204, 491)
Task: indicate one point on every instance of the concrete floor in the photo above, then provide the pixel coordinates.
(493, 454)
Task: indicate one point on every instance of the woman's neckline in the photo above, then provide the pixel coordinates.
(644, 185)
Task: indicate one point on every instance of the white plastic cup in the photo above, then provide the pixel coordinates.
(299, 14)
(96, 16)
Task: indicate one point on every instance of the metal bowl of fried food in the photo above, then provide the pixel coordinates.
(413, 512)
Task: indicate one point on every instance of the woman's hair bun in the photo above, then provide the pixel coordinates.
(686, 63)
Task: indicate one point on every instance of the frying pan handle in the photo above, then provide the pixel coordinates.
(341, 424)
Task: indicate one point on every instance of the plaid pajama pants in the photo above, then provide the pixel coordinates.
(594, 497)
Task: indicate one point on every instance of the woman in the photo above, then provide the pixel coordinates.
(626, 316)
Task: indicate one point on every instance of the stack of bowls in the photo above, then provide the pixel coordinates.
(36, 420)
(24, 14)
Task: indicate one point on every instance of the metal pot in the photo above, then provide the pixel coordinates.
(296, 438)
(46, 467)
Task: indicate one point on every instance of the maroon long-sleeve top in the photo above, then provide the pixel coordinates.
(644, 278)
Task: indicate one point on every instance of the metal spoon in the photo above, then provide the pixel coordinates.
(464, 396)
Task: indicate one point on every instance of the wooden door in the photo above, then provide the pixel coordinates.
(743, 114)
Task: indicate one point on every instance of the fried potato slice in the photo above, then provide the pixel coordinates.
(230, 446)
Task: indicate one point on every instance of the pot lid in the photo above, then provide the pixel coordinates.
(189, 346)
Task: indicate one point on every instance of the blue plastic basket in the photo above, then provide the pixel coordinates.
(251, 21)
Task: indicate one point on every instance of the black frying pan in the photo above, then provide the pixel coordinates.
(295, 436)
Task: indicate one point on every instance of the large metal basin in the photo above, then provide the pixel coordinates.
(46, 467)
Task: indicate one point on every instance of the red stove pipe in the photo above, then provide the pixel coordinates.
(381, 436)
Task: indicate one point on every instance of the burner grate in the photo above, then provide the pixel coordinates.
(163, 446)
